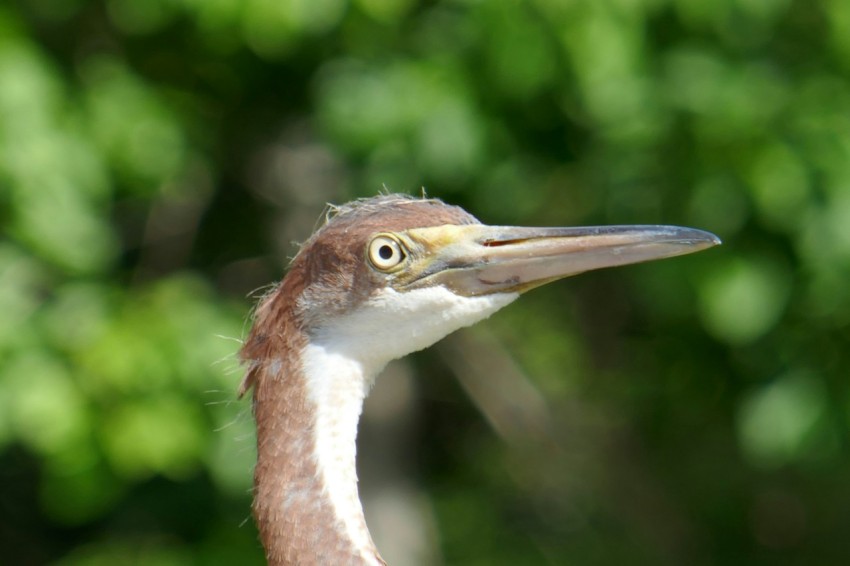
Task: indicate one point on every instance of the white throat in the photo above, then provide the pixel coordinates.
(390, 324)
(336, 387)
(340, 364)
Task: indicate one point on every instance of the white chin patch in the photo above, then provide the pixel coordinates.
(393, 324)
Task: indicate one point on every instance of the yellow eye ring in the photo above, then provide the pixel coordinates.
(386, 252)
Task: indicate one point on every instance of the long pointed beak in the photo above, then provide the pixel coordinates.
(481, 260)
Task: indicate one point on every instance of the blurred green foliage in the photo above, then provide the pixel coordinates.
(157, 158)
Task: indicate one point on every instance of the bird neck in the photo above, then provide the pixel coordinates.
(309, 388)
(307, 406)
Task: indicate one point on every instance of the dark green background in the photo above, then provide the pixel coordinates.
(159, 157)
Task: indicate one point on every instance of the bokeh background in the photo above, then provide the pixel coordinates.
(158, 159)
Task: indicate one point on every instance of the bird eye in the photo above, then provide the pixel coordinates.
(385, 253)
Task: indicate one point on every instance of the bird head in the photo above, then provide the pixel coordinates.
(391, 275)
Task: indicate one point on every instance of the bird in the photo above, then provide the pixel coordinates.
(383, 277)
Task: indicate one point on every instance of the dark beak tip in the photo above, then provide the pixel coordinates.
(701, 238)
(710, 239)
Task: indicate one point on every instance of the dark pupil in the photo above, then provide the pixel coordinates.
(386, 252)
